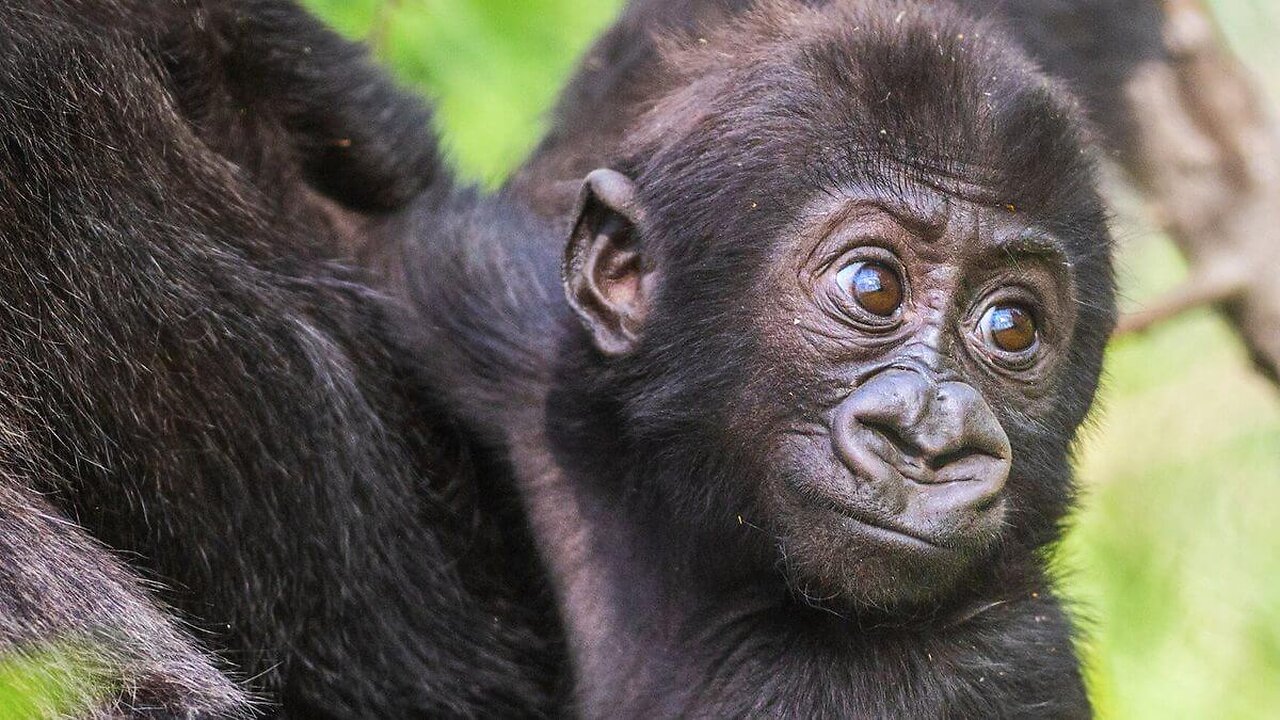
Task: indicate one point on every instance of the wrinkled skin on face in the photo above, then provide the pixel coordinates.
(900, 329)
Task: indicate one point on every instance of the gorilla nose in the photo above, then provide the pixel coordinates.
(902, 422)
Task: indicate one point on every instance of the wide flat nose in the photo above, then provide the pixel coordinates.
(931, 432)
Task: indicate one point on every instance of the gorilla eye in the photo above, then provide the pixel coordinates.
(1010, 328)
(875, 287)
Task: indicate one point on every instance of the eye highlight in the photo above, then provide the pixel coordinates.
(1009, 328)
(874, 287)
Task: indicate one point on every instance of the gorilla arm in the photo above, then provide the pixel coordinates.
(65, 600)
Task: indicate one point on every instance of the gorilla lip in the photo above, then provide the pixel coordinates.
(891, 534)
(962, 536)
(875, 528)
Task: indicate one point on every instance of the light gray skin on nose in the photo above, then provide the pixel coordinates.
(926, 458)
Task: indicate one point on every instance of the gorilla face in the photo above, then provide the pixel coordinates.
(899, 330)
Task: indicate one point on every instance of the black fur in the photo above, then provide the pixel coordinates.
(197, 376)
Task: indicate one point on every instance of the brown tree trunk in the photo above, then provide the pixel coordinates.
(1207, 156)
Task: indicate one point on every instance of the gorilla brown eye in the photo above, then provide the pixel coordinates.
(876, 288)
(1010, 328)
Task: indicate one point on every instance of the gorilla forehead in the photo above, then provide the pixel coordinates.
(790, 102)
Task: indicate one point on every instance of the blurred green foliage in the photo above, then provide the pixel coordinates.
(492, 67)
(55, 682)
(1173, 561)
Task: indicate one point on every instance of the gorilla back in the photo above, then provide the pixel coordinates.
(195, 376)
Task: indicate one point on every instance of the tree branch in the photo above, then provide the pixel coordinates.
(1207, 288)
(1206, 152)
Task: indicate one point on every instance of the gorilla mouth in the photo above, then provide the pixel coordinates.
(874, 560)
(892, 534)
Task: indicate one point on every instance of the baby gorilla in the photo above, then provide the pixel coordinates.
(837, 305)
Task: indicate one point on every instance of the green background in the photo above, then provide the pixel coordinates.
(1173, 561)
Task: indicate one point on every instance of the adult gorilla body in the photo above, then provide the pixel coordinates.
(195, 377)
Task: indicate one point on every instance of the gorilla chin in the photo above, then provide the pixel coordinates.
(838, 557)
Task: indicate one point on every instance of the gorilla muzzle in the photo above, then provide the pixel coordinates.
(930, 456)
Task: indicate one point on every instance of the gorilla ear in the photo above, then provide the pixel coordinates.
(606, 279)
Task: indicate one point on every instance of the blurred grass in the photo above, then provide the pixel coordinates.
(1174, 558)
(59, 681)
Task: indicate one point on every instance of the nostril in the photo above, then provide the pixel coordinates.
(890, 433)
(928, 432)
(916, 453)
